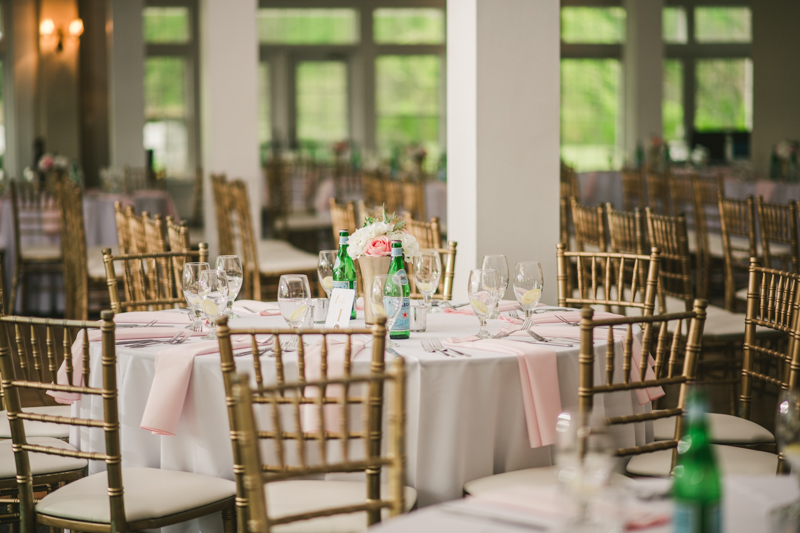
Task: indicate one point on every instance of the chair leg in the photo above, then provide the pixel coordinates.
(229, 519)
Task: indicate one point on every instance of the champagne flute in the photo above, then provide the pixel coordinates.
(386, 305)
(294, 299)
(497, 262)
(528, 285)
(327, 258)
(191, 291)
(232, 266)
(427, 271)
(213, 292)
(483, 296)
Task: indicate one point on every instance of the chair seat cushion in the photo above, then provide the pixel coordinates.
(725, 429)
(94, 261)
(301, 496)
(149, 493)
(40, 463)
(41, 252)
(279, 257)
(545, 475)
(39, 429)
(741, 294)
(731, 460)
(720, 323)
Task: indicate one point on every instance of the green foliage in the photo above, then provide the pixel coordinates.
(165, 87)
(672, 102)
(399, 223)
(722, 94)
(602, 25)
(408, 26)
(673, 25)
(166, 25)
(308, 26)
(322, 101)
(722, 24)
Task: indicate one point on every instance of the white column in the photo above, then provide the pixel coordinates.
(125, 82)
(643, 71)
(503, 133)
(229, 98)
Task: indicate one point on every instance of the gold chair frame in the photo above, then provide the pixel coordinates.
(633, 189)
(778, 225)
(626, 231)
(738, 219)
(658, 196)
(342, 217)
(589, 224)
(670, 236)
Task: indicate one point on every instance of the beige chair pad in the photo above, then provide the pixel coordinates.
(279, 257)
(41, 252)
(39, 429)
(725, 429)
(94, 261)
(40, 463)
(545, 475)
(732, 461)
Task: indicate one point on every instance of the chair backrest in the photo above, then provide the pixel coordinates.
(706, 222)
(304, 411)
(35, 214)
(150, 281)
(669, 235)
(123, 229)
(135, 179)
(414, 198)
(428, 234)
(178, 234)
(74, 354)
(773, 300)
(617, 281)
(155, 234)
(658, 342)
(681, 195)
(136, 228)
(222, 211)
(393, 193)
(738, 220)
(658, 194)
(73, 248)
(342, 217)
(626, 232)
(373, 189)
(633, 189)
(569, 182)
(244, 238)
(279, 192)
(590, 229)
(779, 239)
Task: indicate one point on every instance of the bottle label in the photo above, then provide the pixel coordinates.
(694, 517)
(398, 251)
(346, 285)
(400, 277)
(343, 239)
(403, 322)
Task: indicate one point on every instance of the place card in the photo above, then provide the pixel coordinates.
(341, 304)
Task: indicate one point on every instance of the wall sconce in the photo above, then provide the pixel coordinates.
(48, 30)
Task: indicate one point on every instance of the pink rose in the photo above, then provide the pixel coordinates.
(378, 246)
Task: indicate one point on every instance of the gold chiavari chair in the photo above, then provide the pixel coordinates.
(373, 189)
(681, 195)
(302, 413)
(150, 281)
(669, 235)
(243, 237)
(123, 228)
(658, 193)
(135, 498)
(178, 234)
(633, 189)
(135, 179)
(444, 291)
(36, 224)
(222, 210)
(393, 194)
(414, 198)
(590, 230)
(279, 194)
(707, 242)
(73, 239)
(738, 223)
(779, 238)
(428, 234)
(626, 232)
(342, 217)
(364, 212)
(155, 234)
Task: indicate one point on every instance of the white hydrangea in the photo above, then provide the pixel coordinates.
(359, 240)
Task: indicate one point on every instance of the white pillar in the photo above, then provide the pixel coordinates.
(643, 70)
(229, 102)
(503, 133)
(125, 82)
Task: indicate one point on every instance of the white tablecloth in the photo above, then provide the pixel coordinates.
(465, 415)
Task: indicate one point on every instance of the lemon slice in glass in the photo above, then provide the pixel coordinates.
(327, 282)
(298, 313)
(479, 306)
(531, 297)
(209, 307)
(378, 310)
(425, 287)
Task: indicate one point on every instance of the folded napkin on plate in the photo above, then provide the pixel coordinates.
(175, 318)
(538, 374)
(503, 305)
(171, 381)
(94, 336)
(246, 307)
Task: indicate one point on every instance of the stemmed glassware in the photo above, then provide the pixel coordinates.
(191, 291)
(294, 299)
(213, 291)
(483, 296)
(388, 305)
(528, 285)
(232, 266)
(427, 271)
(499, 264)
(327, 258)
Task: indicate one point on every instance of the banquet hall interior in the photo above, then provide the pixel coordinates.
(405, 265)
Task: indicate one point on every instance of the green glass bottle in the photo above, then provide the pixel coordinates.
(696, 487)
(344, 270)
(397, 276)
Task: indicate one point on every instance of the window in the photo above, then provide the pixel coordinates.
(308, 26)
(264, 110)
(169, 81)
(674, 27)
(724, 95)
(722, 25)
(408, 26)
(593, 25)
(322, 101)
(672, 106)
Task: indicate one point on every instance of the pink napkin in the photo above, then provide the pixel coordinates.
(310, 413)
(503, 305)
(145, 317)
(246, 307)
(538, 373)
(171, 381)
(95, 336)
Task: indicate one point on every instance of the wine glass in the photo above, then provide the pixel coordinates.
(294, 298)
(528, 285)
(191, 291)
(388, 305)
(213, 291)
(327, 258)
(232, 266)
(497, 262)
(483, 296)
(427, 271)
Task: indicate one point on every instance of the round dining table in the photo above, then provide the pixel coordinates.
(465, 414)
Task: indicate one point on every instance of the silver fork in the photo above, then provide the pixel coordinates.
(565, 321)
(141, 343)
(542, 339)
(437, 345)
(451, 306)
(426, 345)
(513, 314)
(527, 324)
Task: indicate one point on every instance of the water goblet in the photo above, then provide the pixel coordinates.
(427, 271)
(232, 266)
(294, 299)
(190, 281)
(497, 262)
(483, 296)
(327, 258)
(388, 305)
(213, 290)
(528, 285)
